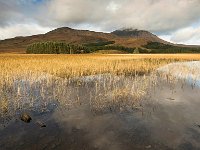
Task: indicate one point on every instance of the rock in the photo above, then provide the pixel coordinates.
(53, 146)
(198, 125)
(41, 124)
(148, 147)
(172, 99)
(25, 117)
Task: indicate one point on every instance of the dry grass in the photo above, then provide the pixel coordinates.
(21, 75)
(80, 65)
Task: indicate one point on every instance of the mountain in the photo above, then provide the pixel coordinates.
(139, 34)
(127, 38)
(64, 34)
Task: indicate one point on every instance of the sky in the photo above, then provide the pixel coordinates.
(177, 21)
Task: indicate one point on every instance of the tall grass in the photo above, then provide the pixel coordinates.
(80, 65)
(29, 80)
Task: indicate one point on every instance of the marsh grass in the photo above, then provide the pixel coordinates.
(119, 93)
(105, 82)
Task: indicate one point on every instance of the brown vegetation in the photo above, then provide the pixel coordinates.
(72, 36)
(58, 77)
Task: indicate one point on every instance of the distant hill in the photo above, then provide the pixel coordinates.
(126, 38)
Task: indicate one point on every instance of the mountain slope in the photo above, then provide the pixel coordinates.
(139, 34)
(127, 38)
(64, 34)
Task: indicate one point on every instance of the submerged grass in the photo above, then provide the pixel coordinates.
(27, 81)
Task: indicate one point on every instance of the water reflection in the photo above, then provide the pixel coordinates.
(105, 112)
(188, 71)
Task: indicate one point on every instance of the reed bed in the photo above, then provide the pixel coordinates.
(42, 81)
(81, 65)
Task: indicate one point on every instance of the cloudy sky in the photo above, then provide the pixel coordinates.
(177, 21)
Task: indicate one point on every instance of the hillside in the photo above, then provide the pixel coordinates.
(126, 40)
(72, 36)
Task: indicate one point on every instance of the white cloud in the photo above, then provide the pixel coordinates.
(22, 30)
(166, 38)
(189, 35)
(113, 7)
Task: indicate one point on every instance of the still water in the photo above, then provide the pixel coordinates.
(87, 115)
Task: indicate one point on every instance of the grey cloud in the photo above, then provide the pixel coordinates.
(158, 16)
(17, 12)
(153, 15)
(8, 12)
